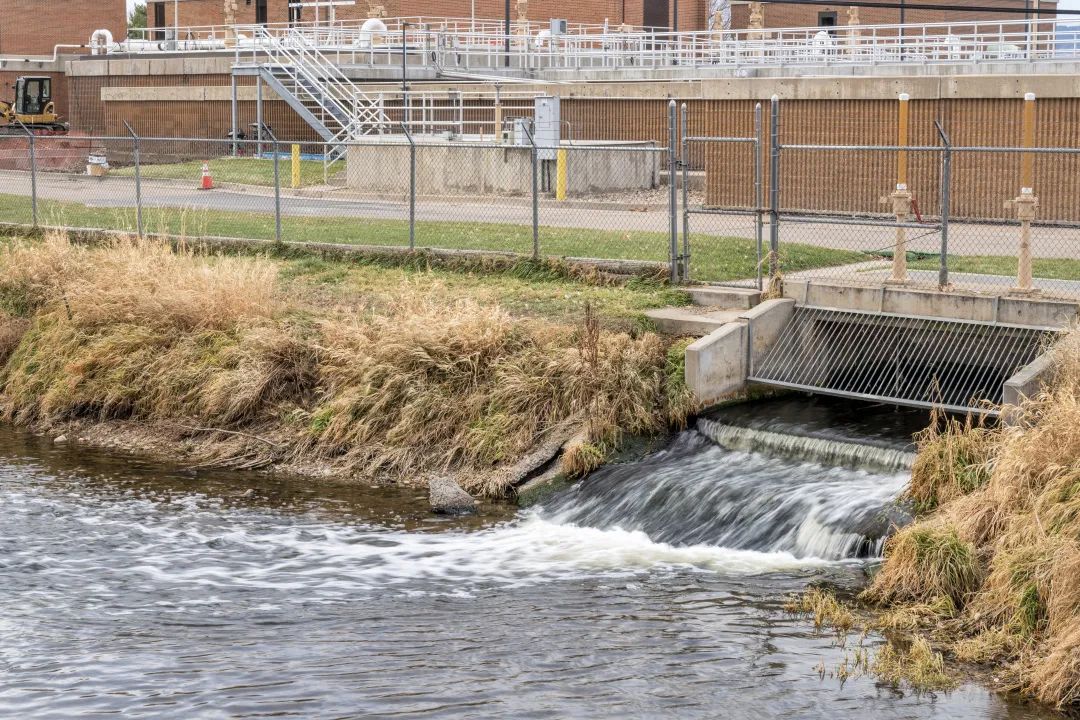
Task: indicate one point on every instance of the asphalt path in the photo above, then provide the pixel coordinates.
(119, 192)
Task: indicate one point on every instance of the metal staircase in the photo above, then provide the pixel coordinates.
(316, 89)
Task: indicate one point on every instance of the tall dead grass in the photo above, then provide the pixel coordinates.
(1000, 538)
(136, 331)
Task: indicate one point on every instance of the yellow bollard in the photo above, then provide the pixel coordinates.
(901, 198)
(1027, 203)
(560, 174)
(295, 166)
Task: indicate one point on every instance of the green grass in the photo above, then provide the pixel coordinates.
(1050, 268)
(242, 171)
(715, 258)
(523, 292)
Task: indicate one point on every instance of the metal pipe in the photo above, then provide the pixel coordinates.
(258, 115)
(684, 158)
(774, 186)
(235, 117)
(412, 187)
(138, 179)
(946, 202)
(673, 226)
(277, 192)
(759, 189)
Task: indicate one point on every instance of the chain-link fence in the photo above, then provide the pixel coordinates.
(718, 209)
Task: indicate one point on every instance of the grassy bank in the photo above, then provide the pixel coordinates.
(377, 374)
(716, 258)
(241, 171)
(1049, 268)
(990, 571)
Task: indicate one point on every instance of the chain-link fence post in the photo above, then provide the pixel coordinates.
(684, 162)
(138, 178)
(535, 197)
(33, 173)
(946, 199)
(673, 227)
(774, 187)
(277, 191)
(759, 190)
(412, 186)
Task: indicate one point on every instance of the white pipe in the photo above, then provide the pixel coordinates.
(100, 41)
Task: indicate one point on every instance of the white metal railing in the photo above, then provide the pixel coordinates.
(318, 83)
(464, 44)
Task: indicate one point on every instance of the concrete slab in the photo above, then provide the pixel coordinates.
(692, 321)
(724, 297)
(1028, 381)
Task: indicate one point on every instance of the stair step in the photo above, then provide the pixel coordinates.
(724, 297)
(696, 321)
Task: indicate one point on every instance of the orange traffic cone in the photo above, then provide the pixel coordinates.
(207, 181)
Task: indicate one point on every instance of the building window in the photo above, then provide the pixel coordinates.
(826, 20)
(295, 14)
(260, 12)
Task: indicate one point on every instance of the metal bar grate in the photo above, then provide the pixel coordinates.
(957, 365)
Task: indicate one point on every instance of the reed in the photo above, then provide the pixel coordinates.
(1000, 537)
(216, 349)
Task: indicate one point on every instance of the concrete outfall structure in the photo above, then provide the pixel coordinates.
(719, 365)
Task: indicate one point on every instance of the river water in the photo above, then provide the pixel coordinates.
(654, 589)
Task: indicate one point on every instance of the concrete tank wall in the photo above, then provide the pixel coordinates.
(485, 169)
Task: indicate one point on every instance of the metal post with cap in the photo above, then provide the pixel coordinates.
(901, 197)
(1027, 203)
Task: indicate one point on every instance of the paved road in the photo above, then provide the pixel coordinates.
(119, 192)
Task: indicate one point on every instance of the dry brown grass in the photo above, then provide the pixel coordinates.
(1002, 539)
(212, 346)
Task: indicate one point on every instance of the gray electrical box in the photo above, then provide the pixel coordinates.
(558, 26)
(547, 125)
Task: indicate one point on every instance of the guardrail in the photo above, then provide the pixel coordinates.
(466, 44)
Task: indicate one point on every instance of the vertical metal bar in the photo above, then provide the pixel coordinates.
(412, 186)
(258, 115)
(277, 193)
(535, 197)
(235, 118)
(774, 186)
(684, 158)
(946, 201)
(673, 226)
(759, 189)
(33, 180)
(138, 178)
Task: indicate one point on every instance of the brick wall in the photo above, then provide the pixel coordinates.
(35, 27)
(211, 12)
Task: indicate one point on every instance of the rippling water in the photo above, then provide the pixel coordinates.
(131, 590)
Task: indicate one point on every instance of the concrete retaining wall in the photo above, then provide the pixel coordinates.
(480, 169)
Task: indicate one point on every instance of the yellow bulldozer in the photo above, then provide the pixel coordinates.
(33, 108)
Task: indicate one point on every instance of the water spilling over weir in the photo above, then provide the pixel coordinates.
(652, 589)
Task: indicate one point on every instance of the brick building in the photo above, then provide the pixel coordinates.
(783, 15)
(692, 14)
(35, 27)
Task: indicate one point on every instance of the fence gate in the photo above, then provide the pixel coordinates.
(723, 204)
